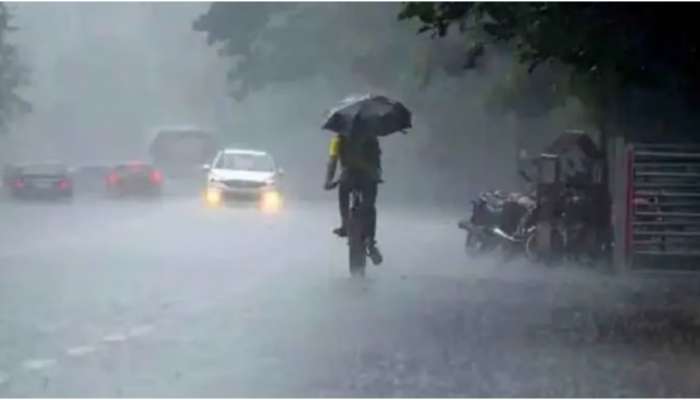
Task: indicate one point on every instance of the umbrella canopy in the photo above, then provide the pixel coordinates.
(368, 115)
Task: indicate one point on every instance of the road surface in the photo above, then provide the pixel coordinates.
(169, 298)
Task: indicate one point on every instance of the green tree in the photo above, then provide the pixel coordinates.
(287, 42)
(613, 51)
(13, 74)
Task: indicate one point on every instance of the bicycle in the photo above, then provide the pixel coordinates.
(356, 229)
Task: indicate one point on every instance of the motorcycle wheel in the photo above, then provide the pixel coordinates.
(473, 245)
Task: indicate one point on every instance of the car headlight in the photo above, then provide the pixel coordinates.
(212, 196)
(270, 201)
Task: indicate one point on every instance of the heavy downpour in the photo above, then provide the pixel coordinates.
(349, 200)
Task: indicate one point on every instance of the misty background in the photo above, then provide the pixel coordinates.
(103, 74)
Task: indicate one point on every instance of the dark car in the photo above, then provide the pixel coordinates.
(134, 178)
(48, 181)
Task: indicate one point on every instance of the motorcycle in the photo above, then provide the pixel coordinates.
(570, 238)
(499, 220)
(486, 212)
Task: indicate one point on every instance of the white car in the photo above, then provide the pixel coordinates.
(238, 175)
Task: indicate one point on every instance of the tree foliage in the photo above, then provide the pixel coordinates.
(529, 94)
(285, 42)
(609, 47)
(13, 74)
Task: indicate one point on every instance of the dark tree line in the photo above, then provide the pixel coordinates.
(623, 60)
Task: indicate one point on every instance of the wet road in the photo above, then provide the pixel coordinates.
(168, 298)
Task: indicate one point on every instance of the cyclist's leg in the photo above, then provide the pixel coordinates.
(344, 205)
(369, 194)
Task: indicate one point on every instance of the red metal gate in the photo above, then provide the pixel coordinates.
(663, 207)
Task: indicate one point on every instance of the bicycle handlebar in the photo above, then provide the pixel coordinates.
(335, 184)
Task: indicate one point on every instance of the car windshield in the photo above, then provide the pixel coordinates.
(44, 169)
(246, 162)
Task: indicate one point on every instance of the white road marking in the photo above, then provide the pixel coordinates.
(114, 338)
(38, 364)
(80, 351)
(141, 330)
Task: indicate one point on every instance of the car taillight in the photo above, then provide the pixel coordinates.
(112, 179)
(64, 184)
(156, 177)
(19, 184)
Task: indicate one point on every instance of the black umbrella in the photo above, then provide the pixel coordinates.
(368, 115)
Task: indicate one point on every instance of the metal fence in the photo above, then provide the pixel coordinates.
(663, 207)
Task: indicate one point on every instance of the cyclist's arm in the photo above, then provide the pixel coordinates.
(334, 155)
(334, 148)
(378, 160)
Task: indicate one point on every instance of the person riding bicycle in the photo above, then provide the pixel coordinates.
(360, 160)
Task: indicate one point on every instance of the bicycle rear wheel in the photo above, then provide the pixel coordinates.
(356, 243)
